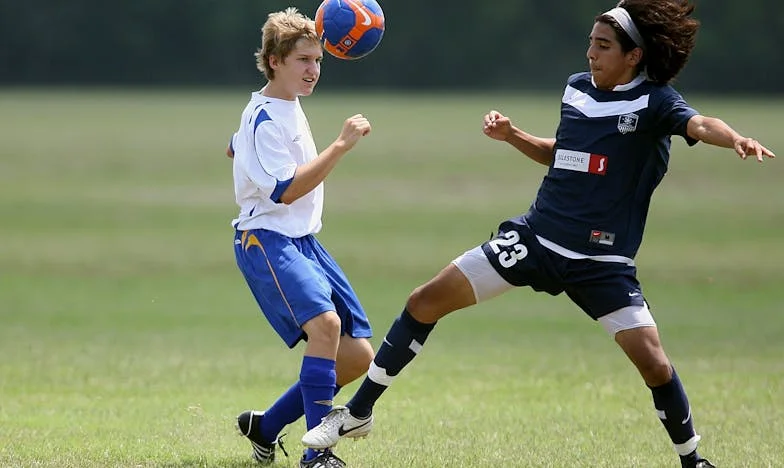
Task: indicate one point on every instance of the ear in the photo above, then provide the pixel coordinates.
(274, 62)
(634, 56)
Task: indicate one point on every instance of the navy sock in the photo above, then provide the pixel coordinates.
(675, 414)
(403, 341)
(317, 383)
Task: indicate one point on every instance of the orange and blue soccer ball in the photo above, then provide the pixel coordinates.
(350, 29)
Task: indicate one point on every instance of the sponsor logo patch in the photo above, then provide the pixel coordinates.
(580, 161)
(627, 123)
(601, 237)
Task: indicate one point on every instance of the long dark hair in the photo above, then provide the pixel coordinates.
(668, 30)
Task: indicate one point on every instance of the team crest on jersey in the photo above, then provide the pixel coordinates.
(628, 122)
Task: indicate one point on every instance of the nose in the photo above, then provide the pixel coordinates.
(590, 53)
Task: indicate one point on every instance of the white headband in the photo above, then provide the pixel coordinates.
(624, 20)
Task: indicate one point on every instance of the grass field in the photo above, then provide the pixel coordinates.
(128, 337)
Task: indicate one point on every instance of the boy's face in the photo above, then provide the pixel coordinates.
(298, 73)
(610, 66)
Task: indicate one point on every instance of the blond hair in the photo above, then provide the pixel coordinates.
(280, 34)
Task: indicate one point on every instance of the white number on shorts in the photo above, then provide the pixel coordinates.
(508, 258)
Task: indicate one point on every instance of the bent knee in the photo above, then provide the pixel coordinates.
(656, 372)
(323, 327)
(422, 305)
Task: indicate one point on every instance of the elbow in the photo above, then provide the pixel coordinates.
(287, 199)
(284, 193)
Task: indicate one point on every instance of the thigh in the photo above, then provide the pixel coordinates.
(600, 288)
(285, 284)
(354, 320)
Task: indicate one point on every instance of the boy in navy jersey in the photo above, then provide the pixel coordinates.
(278, 182)
(582, 232)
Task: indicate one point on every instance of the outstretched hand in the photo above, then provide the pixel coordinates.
(746, 147)
(497, 126)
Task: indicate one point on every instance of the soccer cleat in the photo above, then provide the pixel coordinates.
(263, 451)
(337, 424)
(704, 464)
(325, 459)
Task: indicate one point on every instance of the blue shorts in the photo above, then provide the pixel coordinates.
(597, 287)
(294, 280)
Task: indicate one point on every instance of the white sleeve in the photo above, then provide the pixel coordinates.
(271, 162)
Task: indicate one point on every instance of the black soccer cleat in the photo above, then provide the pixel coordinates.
(263, 451)
(325, 459)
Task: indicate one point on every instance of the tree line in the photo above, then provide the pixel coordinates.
(503, 44)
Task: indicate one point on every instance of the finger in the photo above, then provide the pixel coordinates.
(758, 151)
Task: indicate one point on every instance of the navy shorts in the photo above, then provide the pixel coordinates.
(597, 287)
(294, 280)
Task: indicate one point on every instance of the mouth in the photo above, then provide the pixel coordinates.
(309, 80)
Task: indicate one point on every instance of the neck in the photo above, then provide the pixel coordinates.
(274, 91)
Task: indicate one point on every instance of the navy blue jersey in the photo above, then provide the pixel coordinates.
(611, 151)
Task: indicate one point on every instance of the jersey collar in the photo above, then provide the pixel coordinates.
(626, 87)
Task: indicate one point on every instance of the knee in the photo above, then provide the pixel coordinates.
(323, 328)
(422, 306)
(656, 371)
(363, 356)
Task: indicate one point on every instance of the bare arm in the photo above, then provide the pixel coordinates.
(309, 175)
(715, 132)
(499, 127)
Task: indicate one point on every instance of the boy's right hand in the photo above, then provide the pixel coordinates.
(497, 126)
(354, 128)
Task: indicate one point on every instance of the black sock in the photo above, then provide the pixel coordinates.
(675, 414)
(403, 341)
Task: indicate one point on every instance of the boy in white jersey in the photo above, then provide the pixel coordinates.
(278, 183)
(585, 226)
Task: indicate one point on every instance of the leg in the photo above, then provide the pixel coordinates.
(450, 290)
(643, 347)
(318, 378)
(354, 357)
(469, 279)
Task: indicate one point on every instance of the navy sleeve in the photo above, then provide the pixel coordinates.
(674, 114)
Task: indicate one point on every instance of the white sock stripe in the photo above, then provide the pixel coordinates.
(688, 446)
(662, 415)
(379, 375)
(415, 346)
(688, 416)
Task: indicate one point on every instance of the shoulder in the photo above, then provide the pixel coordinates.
(663, 92)
(269, 115)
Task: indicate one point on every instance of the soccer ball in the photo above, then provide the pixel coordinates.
(349, 29)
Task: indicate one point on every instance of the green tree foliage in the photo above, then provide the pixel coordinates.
(508, 44)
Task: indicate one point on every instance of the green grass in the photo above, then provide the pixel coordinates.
(129, 338)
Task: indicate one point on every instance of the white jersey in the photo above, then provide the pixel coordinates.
(273, 139)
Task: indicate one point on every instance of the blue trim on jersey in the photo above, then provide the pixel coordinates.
(280, 187)
(262, 117)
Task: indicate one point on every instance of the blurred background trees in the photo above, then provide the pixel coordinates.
(504, 44)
